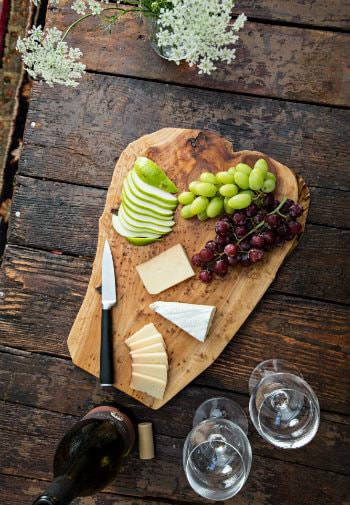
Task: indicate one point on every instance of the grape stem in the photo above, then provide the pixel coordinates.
(275, 211)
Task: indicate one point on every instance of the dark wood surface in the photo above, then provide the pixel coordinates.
(287, 95)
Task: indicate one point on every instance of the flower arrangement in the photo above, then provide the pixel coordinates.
(198, 31)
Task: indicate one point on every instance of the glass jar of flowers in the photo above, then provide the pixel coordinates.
(201, 32)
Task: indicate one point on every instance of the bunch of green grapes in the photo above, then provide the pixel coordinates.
(227, 191)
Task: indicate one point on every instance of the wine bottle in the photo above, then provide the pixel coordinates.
(89, 455)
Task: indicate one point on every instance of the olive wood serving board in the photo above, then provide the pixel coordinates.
(183, 154)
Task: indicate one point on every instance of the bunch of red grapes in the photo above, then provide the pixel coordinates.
(244, 237)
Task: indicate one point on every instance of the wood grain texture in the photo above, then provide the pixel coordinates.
(270, 481)
(277, 61)
(51, 214)
(313, 334)
(183, 154)
(78, 134)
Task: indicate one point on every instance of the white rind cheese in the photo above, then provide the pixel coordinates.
(158, 371)
(150, 385)
(156, 358)
(165, 270)
(193, 319)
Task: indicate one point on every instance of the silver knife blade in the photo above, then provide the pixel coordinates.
(109, 296)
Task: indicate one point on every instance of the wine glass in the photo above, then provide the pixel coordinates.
(217, 455)
(283, 407)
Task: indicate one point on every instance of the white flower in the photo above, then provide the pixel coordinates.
(79, 6)
(95, 7)
(200, 32)
(87, 7)
(46, 56)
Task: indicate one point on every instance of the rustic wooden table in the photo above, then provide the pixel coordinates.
(288, 95)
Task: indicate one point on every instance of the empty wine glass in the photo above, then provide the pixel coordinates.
(283, 407)
(217, 455)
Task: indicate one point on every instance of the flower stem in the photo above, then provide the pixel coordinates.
(73, 25)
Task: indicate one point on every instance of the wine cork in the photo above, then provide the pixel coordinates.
(146, 445)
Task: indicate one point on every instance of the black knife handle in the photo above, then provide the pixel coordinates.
(106, 355)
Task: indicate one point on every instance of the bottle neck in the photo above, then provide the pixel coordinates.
(59, 492)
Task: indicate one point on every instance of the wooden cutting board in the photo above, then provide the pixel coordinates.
(183, 154)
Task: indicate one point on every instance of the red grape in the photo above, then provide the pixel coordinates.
(252, 210)
(239, 218)
(295, 210)
(221, 267)
(255, 255)
(222, 227)
(295, 227)
(245, 244)
(206, 255)
(273, 220)
(257, 241)
(232, 261)
(241, 231)
(268, 201)
(205, 276)
(268, 236)
(221, 241)
(244, 260)
(287, 205)
(289, 236)
(259, 217)
(280, 241)
(282, 230)
(212, 246)
(196, 260)
(231, 250)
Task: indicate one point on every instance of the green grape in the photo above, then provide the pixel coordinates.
(240, 201)
(205, 189)
(231, 170)
(256, 179)
(228, 209)
(208, 177)
(262, 165)
(242, 180)
(202, 216)
(228, 190)
(215, 206)
(192, 186)
(248, 192)
(244, 168)
(270, 176)
(199, 205)
(186, 197)
(269, 186)
(225, 178)
(186, 212)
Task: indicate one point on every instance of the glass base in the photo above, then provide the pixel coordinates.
(224, 408)
(267, 368)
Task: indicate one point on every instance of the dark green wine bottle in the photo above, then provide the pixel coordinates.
(89, 455)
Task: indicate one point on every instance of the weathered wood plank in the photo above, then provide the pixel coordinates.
(320, 13)
(77, 135)
(63, 216)
(16, 489)
(313, 335)
(328, 451)
(278, 61)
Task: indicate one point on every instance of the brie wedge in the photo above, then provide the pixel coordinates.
(193, 319)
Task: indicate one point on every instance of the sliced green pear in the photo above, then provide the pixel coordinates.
(144, 205)
(145, 227)
(141, 240)
(152, 174)
(129, 234)
(156, 193)
(144, 211)
(143, 218)
(143, 196)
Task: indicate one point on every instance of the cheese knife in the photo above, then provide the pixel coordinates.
(109, 299)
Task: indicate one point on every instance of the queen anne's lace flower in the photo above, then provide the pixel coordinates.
(48, 57)
(87, 6)
(199, 32)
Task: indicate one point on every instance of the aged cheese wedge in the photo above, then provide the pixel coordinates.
(144, 342)
(147, 331)
(157, 358)
(158, 371)
(147, 384)
(165, 270)
(159, 347)
(193, 319)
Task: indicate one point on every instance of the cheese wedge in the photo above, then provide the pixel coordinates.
(146, 384)
(193, 319)
(156, 358)
(158, 371)
(159, 347)
(147, 331)
(144, 342)
(165, 270)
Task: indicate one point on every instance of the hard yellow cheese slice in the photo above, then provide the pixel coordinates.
(147, 384)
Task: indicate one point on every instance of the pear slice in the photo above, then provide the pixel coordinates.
(152, 174)
(141, 240)
(155, 193)
(144, 204)
(134, 225)
(129, 234)
(145, 219)
(139, 195)
(143, 211)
